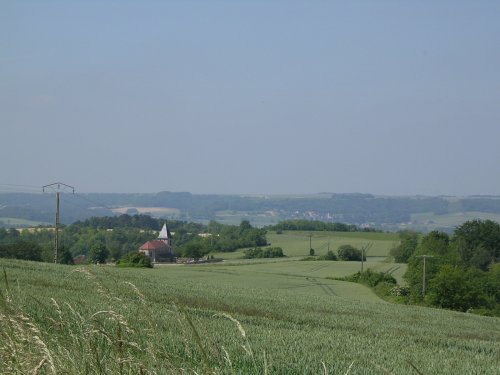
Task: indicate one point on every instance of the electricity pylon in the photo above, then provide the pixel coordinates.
(56, 186)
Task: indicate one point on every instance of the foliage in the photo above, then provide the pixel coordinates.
(406, 248)
(478, 243)
(311, 252)
(330, 255)
(314, 225)
(461, 274)
(349, 253)
(64, 256)
(135, 259)
(21, 250)
(399, 291)
(460, 289)
(194, 249)
(123, 234)
(268, 252)
(98, 254)
(370, 278)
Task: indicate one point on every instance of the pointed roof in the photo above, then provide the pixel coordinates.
(164, 233)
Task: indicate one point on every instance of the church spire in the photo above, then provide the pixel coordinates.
(164, 233)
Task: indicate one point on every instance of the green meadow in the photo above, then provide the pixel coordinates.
(296, 243)
(237, 318)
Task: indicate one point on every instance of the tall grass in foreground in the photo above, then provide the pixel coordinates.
(225, 320)
(106, 342)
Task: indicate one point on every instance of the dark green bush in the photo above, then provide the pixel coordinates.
(330, 255)
(268, 252)
(135, 260)
(348, 252)
(370, 278)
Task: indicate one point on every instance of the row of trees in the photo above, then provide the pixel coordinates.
(314, 225)
(102, 239)
(268, 252)
(461, 270)
(344, 252)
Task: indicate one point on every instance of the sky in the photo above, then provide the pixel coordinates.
(251, 97)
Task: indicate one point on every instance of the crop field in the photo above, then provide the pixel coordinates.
(276, 318)
(296, 243)
(433, 221)
(319, 269)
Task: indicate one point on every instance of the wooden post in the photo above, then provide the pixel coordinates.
(424, 278)
(56, 237)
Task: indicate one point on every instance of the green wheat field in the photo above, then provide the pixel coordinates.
(241, 318)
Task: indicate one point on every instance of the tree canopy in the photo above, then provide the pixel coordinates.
(462, 273)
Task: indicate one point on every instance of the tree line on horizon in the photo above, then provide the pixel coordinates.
(347, 208)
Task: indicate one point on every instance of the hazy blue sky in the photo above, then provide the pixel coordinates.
(384, 97)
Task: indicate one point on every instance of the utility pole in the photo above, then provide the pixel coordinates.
(56, 186)
(310, 241)
(423, 273)
(364, 250)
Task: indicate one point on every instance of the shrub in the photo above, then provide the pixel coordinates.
(330, 255)
(370, 278)
(135, 259)
(269, 252)
(348, 252)
(400, 291)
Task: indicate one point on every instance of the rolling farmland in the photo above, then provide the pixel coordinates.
(279, 317)
(296, 243)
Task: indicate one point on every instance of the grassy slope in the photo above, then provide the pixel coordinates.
(288, 311)
(296, 243)
(455, 219)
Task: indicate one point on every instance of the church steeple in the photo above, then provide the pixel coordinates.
(165, 235)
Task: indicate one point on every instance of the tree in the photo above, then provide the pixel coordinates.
(435, 244)
(350, 253)
(459, 288)
(98, 253)
(193, 249)
(478, 243)
(21, 250)
(406, 248)
(64, 256)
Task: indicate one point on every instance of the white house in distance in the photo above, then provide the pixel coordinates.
(161, 249)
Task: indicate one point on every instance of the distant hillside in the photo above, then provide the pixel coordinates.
(383, 212)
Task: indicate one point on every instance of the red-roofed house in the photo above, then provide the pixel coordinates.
(161, 249)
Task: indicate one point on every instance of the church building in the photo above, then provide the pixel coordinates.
(161, 249)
